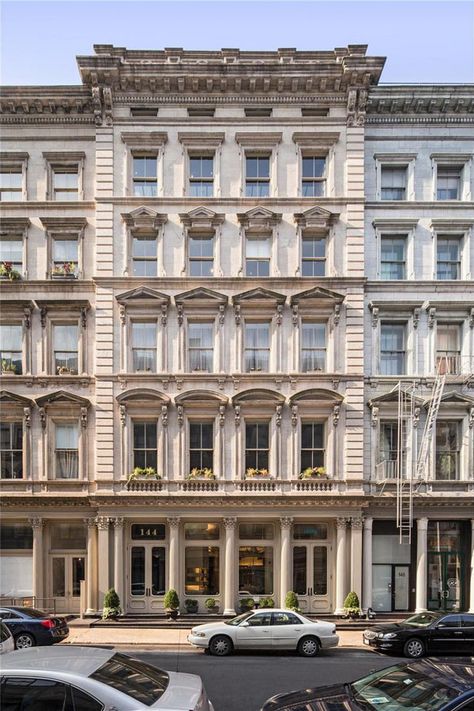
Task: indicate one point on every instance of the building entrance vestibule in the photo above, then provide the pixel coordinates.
(312, 581)
(146, 574)
(391, 588)
(67, 571)
(445, 581)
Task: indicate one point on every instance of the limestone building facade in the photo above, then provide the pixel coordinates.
(213, 276)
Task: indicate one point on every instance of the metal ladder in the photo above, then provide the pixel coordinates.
(405, 465)
(433, 409)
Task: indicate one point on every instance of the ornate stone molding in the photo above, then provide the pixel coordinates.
(294, 415)
(27, 417)
(164, 416)
(173, 522)
(357, 522)
(102, 523)
(90, 522)
(375, 416)
(221, 415)
(341, 523)
(278, 414)
(336, 410)
(36, 522)
(375, 315)
(286, 523)
(229, 523)
(237, 314)
(123, 414)
(180, 411)
(237, 415)
(431, 317)
(118, 522)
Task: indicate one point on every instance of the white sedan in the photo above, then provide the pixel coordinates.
(265, 629)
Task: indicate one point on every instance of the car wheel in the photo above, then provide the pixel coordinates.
(414, 648)
(24, 641)
(308, 647)
(221, 646)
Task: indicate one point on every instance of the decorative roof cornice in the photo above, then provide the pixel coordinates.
(46, 104)
(422, 102)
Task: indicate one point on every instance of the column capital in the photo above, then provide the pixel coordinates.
(229, 523)
(286, 522)
(422, 524)
(173, 521)
(89, 522)
(357, 522)
(118, 521)
(368, 522)
(36, 522)
(341, 523)
(102, 523)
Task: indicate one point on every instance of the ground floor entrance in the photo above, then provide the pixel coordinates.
(445, 581)
(312, 579)
(391, 590)
(146, 578)
(67, 571)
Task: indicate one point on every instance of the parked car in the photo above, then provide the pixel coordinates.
(31, 627)
(424, 633)
(93, 678)
(265, 629)
(424, 685)
(6, 639)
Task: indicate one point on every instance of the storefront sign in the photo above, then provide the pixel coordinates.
(148, 532)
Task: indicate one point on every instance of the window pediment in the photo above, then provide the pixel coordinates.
(258, 139)
(318, 140)
(201, 219)
(201, 140)
(61, 397)
(144, 220)
(14, 225)
(314, 395)
(317, 296)
(391, 397)
(201, 397)
(316, 218)
(139, 395)
(259, 296)
(142, 296)
(395, 224)
(259, 219)
(453, 225)
(258, 396)
(144, 139)
(9, 398)
(200, 297)
(453, 397)
(64, 224)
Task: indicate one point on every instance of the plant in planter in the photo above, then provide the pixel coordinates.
(211, 605)
(352, 606)
(8, 272)
(8, 367)
(143, 473)
(253, 473)
(191, 606)
(66, 270)
(267, 602)
(246, 604)
(171, 603)
(64, 370)
(111, 609)
(204, 473)
(291, 601)
(313, 473)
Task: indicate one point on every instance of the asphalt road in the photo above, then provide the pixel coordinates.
(244, 681)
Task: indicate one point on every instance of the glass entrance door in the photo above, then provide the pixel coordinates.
(147, 578)
(66, 575)
(445, 581)
(311, 580)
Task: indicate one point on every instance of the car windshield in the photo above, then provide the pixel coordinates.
(137, 679)
(422, 620)
(396, 689)
(235, 621)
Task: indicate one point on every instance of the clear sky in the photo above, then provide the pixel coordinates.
(424, 41)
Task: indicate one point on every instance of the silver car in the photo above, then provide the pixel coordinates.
(6, 639)
(94, 679)
(266, 629)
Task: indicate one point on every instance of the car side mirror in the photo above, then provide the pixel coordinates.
(245, 624)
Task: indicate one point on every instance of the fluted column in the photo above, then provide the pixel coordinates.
(421, 563)
(102, 559)
(286, 578)
(229, 563)
(356, 556)
(91, 572)
(471, 593)
(118, 559)
(340, 565)
(173, 565)
(367, 564)
(38, 567)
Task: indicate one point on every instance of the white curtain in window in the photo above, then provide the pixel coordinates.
(10, 337)
(258, 248)
(67, 456)
(65, 338)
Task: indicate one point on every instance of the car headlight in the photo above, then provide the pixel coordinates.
(389, 635)
(199, 634)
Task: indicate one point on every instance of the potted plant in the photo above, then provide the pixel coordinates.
(8, 272)
(191, 606)
(111, 609)
(352, 606)
(211, 605)
(64, 271)
(253, 473)
(143, 473)
(246, 604)
(291, 601)
(8, 367)
(171, 603)
(203, 473)
(313, 472)
(65, 370)
(267, 602)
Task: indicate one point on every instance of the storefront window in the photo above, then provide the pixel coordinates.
(68, 536)
(256, 570)
(16, 536)
(201, 531)
(202, 570)
(16, 570)
(256, 531)
(444, 535)
(310, 531)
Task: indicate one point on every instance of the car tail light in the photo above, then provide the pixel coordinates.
(47, 623)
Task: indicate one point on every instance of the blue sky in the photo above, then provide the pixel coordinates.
(423, 41)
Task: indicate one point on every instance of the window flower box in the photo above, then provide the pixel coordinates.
(143, 473)
(8, 368)
(204, 473)
(64, 271)
(313, 473)
(64, 370)
(252, 473)
(8, 273)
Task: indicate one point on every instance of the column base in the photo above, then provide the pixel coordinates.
(420, 609)
(339, 611)
(229, 611)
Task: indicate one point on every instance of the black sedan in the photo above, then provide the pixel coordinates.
(424, 633)
(424, 685)
(31, 627)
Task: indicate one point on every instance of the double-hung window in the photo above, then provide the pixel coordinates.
(393, 182)
(257, 347)
(144, 445)
(11, 450)
(11, 252)
(257, 256)
(11, 351)
(393, 257)
(257, 445)
(257, 176)
(201, 445)
(392, 348)
(448, 258)
(201, 255)
(144, 256)
(144, 339)
(312, 445)
(11, 183)
(448, 352)
(67, 450)
(314, 176)
(313, 347)
(65, 349)
(313, 261)
(65, 256)
(145, 180)
(448, 182)
(448, 441)
(200, 346)
(388, 442)
(201, 176)
(65, 183)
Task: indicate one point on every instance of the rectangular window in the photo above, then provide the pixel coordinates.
(257, 256)
(257, 347)
(201, 531)
(447, 450)
(313, 450)
(256, 445)
(256, 570)
(201, 445)
(67, 451)
(388, 442)
(201, 176)
(393, 182)
(448, 258)
(201, 570)
(201, 256)
(144, 256)
(310, 531)
(11, 183)
(200, 346)
(11, 251)
(314, 176)
(448, 182)
(313, 263)
(65, 254)
(145, 181)
(256, 531)
(16, 536)
(313, 347)
(65, 347)
(11, 450)
(144, 346)
(448, 352)
(144, 445)
(11, 350)
(392, 349)
(392, 257)
(65, 183)
(257, 176)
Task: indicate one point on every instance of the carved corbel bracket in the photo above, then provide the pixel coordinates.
(416, 416)
(431, 317)
(471, 418)
(27, 416)
(180, 415)
(375, 315)
(416, 317)
(294, 315)
(122, 314)
(180, 309)
(221, 415)
(164, 314)
(83, 418)
(375, 416)
(279, 315)
(471, 318)
(221, 314)
(164, 416)
(123, 415)
(294, 415)
(278, 413)
(237, 314)
(42, 414)
(27, 317)
(43, 316)
(237, 415)
(336, 411)
(337, 314)
(84, 310)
